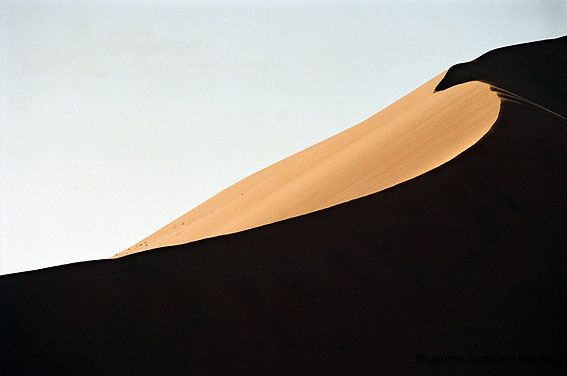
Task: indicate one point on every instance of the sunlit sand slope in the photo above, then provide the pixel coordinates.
(417, 133)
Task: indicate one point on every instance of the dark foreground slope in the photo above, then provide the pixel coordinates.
(466, 263)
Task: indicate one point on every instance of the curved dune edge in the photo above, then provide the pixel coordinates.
(416, 134)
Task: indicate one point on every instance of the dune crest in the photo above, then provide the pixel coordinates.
(416, 134)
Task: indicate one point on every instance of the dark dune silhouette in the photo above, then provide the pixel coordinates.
(539, 80)
(467, 260)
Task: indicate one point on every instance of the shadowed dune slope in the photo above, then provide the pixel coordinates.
(468, 258)
(414, 135)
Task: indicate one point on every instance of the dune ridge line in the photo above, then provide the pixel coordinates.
(416, 134)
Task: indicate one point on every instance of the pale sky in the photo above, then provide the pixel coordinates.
(117, 117)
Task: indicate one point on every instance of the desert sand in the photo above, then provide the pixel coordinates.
(418, 133)
(465, 260)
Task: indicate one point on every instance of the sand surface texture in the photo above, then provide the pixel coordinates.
(418, 133)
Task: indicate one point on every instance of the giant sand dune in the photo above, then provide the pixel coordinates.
(455, 266)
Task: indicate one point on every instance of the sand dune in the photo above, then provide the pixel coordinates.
(417, 133)
(468, 258)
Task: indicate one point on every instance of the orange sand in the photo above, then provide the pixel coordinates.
(418, 133)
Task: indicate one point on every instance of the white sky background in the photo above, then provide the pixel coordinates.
(116, 117)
